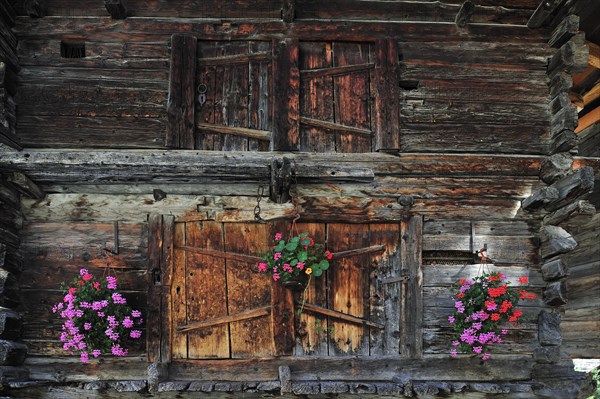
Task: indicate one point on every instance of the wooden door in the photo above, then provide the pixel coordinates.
(220, 306)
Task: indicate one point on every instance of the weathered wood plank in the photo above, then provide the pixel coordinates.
(166, 266)
(313, 330)
(411, 302)
(179, 342)
(542, 13)
(207, 291)
(385, 297)
(283, 312)
(182, 84)
(25, 186)
(154, 307)
(351, 96)
(247, 338)
(387, 109)
(286, 109)
(564, 31)
(341, 316)
(348, 284)
(572, 187)
(316, 96)
(249, 314)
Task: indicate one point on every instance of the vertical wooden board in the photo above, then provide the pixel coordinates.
(311, 331)
(247, 290)
(387, 95)
(348, 289)
(206, 291)
(316, 97)
(219, 115)
(352, 96)
(237, 106)
(182, 88)
(282, 305)
(154, 316)
(206, 114)
(259, 95)
(286, 104)
(178, 294)
(385, 296)
(167, 277)
(411, 316)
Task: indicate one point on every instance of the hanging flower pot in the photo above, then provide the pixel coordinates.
(295, 261)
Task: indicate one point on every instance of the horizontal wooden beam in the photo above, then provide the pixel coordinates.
(357, 252)
(339, 315)
(250, 314)
(263, 135)
(594, 55)
(223, 255)
(335, 127)
(236, 59)
(334, 71)
(177, 166)
(588, 119)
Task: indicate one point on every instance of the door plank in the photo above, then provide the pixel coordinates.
(247, 290)
(348, 289)
(206, 291)
(178, 294)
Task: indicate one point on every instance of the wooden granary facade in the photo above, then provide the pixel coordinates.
(174, 139)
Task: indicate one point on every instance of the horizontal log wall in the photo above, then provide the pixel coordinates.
(580, 324)
(116, 96)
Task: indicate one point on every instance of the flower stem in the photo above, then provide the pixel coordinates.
(304, 295)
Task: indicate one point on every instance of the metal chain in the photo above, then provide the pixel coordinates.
(259, 195)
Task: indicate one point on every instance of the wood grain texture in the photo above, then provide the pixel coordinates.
(411, 316)
(179, 342)
(286, 109)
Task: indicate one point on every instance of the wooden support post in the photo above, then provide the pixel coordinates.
(282, 173)
(154, 316)
(564, 31)
(116, 9)
(572, 187)
(555, 293)
(555, 240)
(182, 92)
(25, 186)
(543, 13)
(286, 106)
(411, 314)
(387, 101)
(555, 167)
(464, 14)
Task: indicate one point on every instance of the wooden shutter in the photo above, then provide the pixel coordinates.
(236, 80)
(335, 97)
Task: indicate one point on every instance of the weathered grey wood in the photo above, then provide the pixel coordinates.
(116, 9)
(555, 240)
(561, 83)
(288, 12)
(547, 354)
(549, 328)
(154, 277)
(542, 13)
(563, 141)
(12, 353)
(564, 31)
(464, 14)
(8, 80)
(11, 324)
(263, 135)
(560, 102)
(572, 57)
(34, 8)
(411, 305)
(571, 213)
(554, 269)
(339, 315)
(9, 290)
(572, 187)
(182, 92)
(285, 379)
(334, 127)
(540, 198)
(565, 119)
(286, 107)
(555, 167)
(589, 141)
(25, 186)
(387, 107)
(555, 293)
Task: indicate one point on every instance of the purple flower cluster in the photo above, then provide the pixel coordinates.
(96, 318)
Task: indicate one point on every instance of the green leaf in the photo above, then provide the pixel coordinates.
(291, 246)
(280, 246)
(317, 272)
(302, 235)
(302, 256)
(305, 241)
(295, 239)
(324, 264)
(294, 262)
